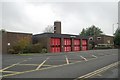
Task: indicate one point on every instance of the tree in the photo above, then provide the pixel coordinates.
(83, 32)
(91, 31)
(49, 29)
(117, 37)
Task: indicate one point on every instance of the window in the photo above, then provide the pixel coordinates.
(54, 28)
(91, 38)
(98, 38)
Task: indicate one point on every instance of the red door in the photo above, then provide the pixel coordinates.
(84, 48)
(55, 45)
(84, 42)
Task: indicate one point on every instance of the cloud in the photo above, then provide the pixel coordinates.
(34, 17)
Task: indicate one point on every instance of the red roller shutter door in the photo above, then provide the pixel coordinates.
(67, 48)
(84, 42)
(84, 45)
(67, 45)
(76, 48)
(84, 48)
(55, 45)
(55, 49)
(76, 44)
(58, 49)
(67, 42)
(55, 41)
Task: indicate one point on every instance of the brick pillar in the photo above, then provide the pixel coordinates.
(62, 44)
(48, 45)
(72, 46)
(80, 44)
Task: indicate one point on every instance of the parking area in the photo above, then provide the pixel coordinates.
(13, 64)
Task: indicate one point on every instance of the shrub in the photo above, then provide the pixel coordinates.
(21, 46)
(16, 48)
(36, 48)
(27, 49)
(44, 50)
(11, 51)
(103, 47)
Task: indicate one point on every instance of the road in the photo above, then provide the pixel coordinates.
(58, 65)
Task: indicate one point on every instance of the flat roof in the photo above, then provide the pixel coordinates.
(102, 35)
(18, 33)
(60, 35)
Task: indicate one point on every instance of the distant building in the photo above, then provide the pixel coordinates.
(9, 39)
(105, 40)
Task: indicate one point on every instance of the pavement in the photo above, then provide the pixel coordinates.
(59, 65)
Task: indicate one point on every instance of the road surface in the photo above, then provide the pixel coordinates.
(59, 65)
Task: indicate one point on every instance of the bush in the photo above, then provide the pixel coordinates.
(36, 48)
(27, 49)
(11, 51)
(32, 48)
(17, 49)
(21, 46)
(103, 47)
(44, 50)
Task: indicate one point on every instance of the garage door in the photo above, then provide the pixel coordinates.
(76, 44)
(84, 45)
(67, 45)
(55, 45)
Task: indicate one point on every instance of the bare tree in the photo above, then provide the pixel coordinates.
(49, 29)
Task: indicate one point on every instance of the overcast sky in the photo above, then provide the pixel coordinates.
(33, 17)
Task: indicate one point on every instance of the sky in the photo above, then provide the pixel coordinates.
(33, 17)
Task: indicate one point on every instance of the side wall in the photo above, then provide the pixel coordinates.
(9, 39)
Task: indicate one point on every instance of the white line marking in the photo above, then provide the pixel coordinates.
(41, 64)
(94, 56)
(84, 58)
(67, 60)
